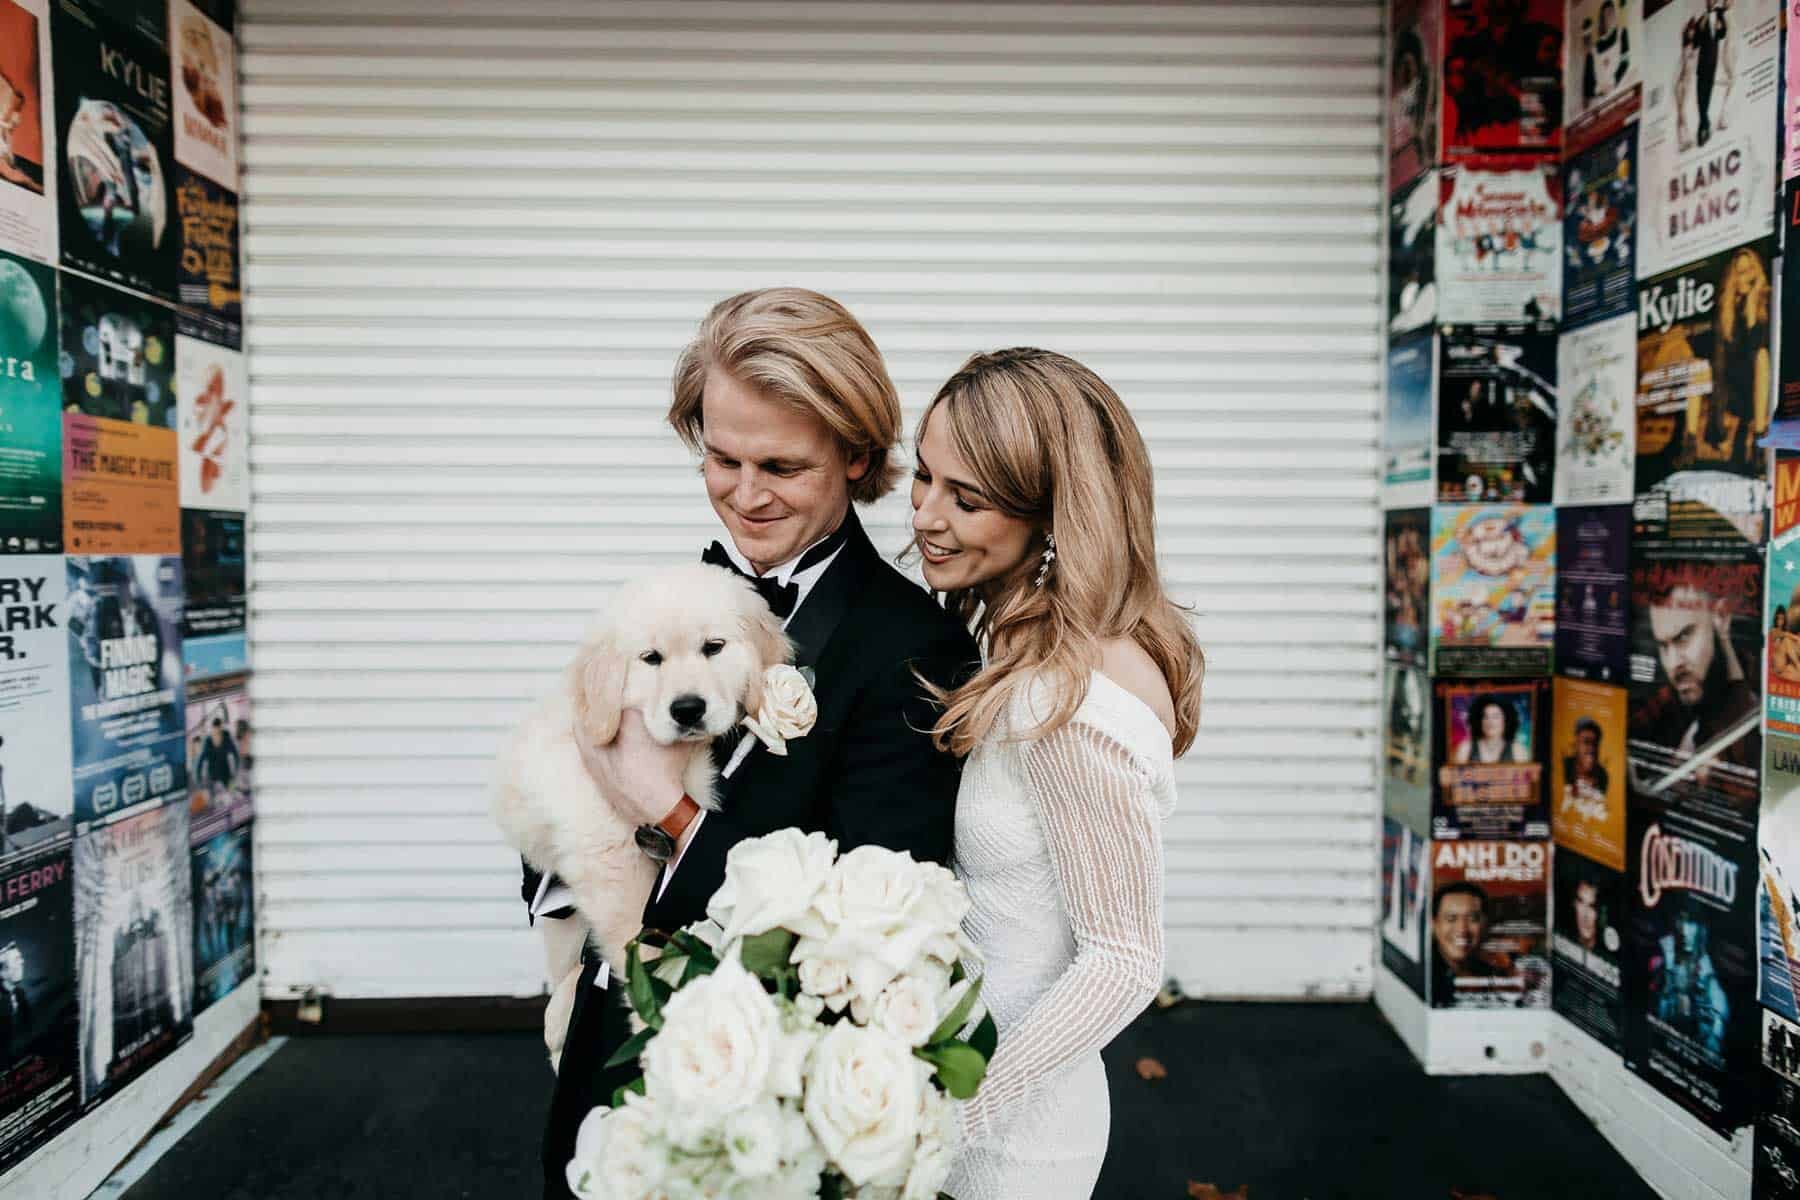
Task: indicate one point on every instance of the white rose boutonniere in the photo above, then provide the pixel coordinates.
(788, 708)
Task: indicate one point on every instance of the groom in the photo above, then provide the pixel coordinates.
(787, 398)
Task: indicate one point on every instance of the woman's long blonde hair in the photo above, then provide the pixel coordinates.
(1049, 442)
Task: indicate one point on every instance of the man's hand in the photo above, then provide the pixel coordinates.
(641, 777)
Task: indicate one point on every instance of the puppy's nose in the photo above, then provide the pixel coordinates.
(687, 710)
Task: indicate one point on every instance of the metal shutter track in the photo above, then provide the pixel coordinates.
(476, 235)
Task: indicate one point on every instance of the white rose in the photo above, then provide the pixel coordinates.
(770, 882)
(788, 708)
(931, 1167)
(908, 1009)
(800, 1032)
(713, 1055)
(825, 979)
(753, 1139)
(583, 1171)
(866, 918)
(862, 1102)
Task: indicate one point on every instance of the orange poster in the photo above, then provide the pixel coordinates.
(121, 494)
(1587, 771)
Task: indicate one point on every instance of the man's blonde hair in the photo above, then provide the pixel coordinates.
(806, 350)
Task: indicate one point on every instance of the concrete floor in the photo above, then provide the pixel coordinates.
(1290, 1101)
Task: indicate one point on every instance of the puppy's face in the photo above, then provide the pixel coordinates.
(686, 648)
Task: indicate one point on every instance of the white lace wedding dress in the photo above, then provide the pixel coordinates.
(1059, 841)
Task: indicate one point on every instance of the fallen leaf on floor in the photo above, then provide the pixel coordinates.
(1150, 1068)
(1210, 1191)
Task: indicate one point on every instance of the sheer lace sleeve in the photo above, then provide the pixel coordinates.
(1104, 832)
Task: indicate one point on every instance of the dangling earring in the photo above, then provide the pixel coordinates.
(1049, 557)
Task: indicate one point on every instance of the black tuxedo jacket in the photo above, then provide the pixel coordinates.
(867, 773)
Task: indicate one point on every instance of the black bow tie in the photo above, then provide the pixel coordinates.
(781, 597)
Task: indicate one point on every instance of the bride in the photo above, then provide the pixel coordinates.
(1032, 505)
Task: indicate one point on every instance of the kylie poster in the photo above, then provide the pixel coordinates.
(37, 1001)
(1499, 242)
(134, 946)
(30, 409)
(1705, 377)
(27, 174)
(114, 125)
(36, 797)
(1708, 134)
(125, 680)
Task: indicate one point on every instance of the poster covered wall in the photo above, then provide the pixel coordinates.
(1503, 76)
(1587, 772)
(1593, 612)
(1600, 230)
(1406, 421)
(1499, 241)
(224, 931)
(37, 1000)
(27, 173)
(30, 413)
(1490, 925)
(1597, 413)
(1496, 425)
(1690, 1015)
(134, 946)
(1587, 945)
(114, 125)
(36, 796)
(122, 492)
(1710, 75)
(1493, 589)
(1491, 743)
(1405, 886)
(1601, 80)
(125, 674)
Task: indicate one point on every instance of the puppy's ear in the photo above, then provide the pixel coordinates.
(770, 645)
(597, 681)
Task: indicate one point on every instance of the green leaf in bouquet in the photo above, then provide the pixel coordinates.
(767, 953)
(634, 1046)
(638, 989)
(831, 1186)
(957, 974)
(960, 1067)
(953, 1021)
(625, 1089)
(986, 1037)
(695, 949)
(694, 970)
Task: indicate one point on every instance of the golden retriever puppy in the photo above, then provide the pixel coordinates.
(685, 647)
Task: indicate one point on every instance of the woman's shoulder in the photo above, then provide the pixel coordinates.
(1128, 665)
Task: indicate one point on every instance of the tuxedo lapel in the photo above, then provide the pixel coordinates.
(817, 619)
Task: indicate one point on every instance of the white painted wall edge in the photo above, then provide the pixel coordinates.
(1467, 1041)
(79, 1159)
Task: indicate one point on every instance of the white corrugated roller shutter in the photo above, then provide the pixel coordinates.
(477, 232)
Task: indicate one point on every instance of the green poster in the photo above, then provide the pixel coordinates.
(30, 412)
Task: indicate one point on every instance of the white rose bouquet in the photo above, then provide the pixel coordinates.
(807, 1040)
